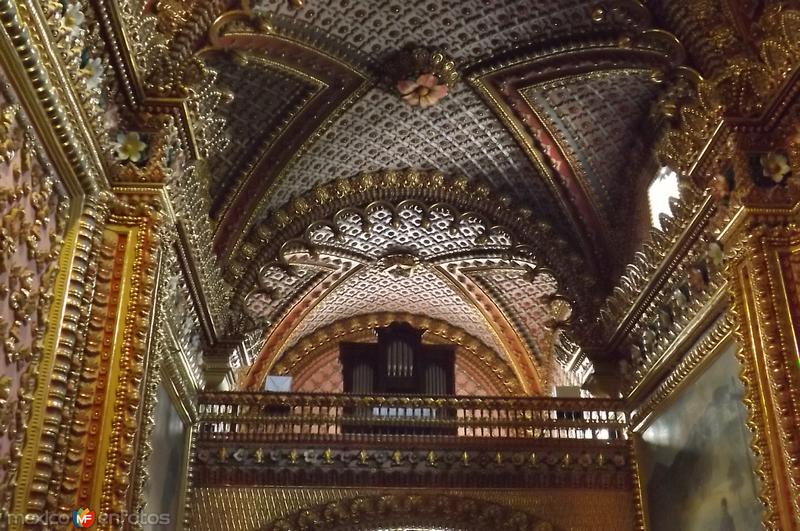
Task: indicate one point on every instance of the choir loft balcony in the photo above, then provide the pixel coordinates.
(270, 439)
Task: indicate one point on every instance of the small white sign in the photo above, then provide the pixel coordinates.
(279, 384)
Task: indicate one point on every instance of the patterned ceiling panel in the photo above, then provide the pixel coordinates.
(459, 136)
(263, 97)
(441, 235)
(409, 228)
(469, 29)
(278, 286)
(524, 298)
(551, 130)
(374, 290)
(596, 119)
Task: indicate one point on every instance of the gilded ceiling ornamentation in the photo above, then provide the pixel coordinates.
(264, 92)
(328, 39)
(468, 29)
(595, 120)
(550, 100)
(315, 30)
(290, 221)
(426, 293)
(422, 77)
(339, 84)
(407, 240)
(190, 203)
(527, 300)
(380, 132)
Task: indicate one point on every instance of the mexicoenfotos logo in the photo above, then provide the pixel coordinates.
(83, 518)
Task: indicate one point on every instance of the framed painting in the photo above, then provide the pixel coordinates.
(695, 459)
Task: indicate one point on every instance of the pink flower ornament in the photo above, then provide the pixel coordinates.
(424, 92)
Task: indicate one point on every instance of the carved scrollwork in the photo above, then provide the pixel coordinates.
(409, 509)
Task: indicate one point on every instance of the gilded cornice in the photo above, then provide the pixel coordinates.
(744, 77)
(477, 463)
(584, 509)
(409, 509)
(716, 336)
(647, 287)
(643, 279)
(322, 340)
(191, 203)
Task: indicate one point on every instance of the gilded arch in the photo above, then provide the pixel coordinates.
(430, 187)
(322, 340)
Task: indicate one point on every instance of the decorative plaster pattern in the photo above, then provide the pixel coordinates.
(278, 286)
(458, 136)
(597, 118)
(524, 298)
(411, 228)
(470, 28)
(373, 290)
(264, 97)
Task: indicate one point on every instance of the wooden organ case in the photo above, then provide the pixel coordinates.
(399, 363)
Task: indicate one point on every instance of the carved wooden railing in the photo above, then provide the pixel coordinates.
(236, 417)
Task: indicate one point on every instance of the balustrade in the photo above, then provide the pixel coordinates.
(258, 417)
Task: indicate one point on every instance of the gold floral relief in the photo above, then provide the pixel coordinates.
(33, 218)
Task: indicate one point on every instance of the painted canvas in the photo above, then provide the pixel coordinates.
(696, 462)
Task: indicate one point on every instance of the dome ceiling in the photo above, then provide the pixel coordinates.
(548, 103)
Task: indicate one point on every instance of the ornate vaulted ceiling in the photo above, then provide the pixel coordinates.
(334, 198)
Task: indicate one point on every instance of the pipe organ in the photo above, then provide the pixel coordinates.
(398, 363)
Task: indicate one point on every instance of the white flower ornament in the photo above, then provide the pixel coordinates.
(73, 19)
(93, 71)
(129, 147)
